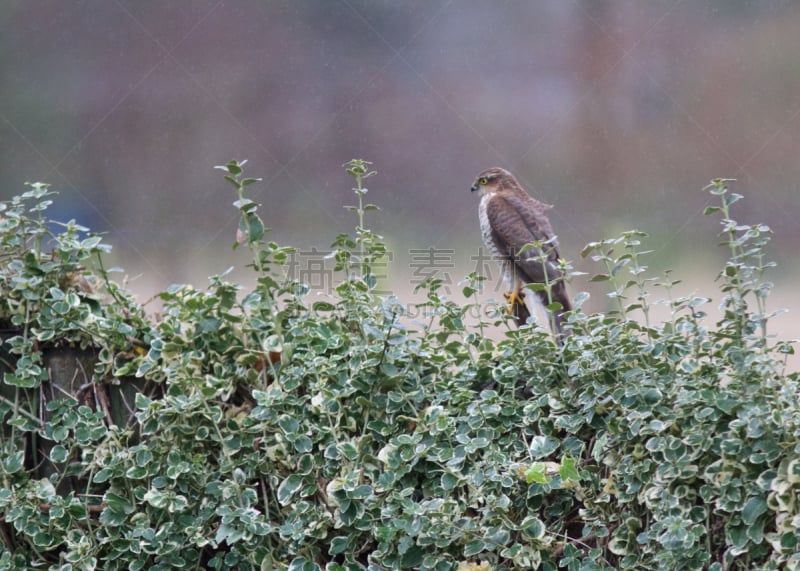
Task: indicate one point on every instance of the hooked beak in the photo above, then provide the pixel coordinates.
(474, 187)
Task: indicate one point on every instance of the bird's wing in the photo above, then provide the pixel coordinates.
(516, 222)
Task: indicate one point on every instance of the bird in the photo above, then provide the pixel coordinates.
(510, 219)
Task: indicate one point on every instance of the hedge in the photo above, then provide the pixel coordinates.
(265, 428)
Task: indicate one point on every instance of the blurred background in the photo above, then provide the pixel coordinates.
(617, 112)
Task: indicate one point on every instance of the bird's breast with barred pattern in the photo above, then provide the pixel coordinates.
(506, 268)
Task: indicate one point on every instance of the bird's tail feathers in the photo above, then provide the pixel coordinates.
(558, 318)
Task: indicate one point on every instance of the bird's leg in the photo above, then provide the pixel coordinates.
(515, 297)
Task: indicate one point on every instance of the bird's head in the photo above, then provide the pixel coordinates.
(491, 180)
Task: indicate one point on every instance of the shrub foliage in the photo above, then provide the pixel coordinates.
(273, 429)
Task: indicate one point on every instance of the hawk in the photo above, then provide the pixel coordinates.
(511, 218)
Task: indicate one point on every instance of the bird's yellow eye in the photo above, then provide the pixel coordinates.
(483, 180)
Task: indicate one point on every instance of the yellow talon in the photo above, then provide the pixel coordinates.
(513, 298)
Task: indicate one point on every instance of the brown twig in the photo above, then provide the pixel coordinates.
(92, 508)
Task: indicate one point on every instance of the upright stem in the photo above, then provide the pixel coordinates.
(363, 266)
(359, 170)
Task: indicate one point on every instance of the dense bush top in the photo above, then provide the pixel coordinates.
(288, 433)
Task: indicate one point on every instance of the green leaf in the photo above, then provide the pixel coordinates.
(412, 558)
(755, 531)
(652, 396)
(91, 242)
(245, 204)
(118, 503)
(474, 547)
(136, 473)
(25, 381)
(542, 446)
(361, 492)
(13, 462)
(103, 475)
(732, 198)
(289, 425)
(288, 488)
(449, 481)
(301, 564)
(349, 450)
(537, 474)
(533, 527)
(255, 228)
(738, 535)
(59, 454)
(754, 507)
(580, 298)
(141, 401)
(339, 545)
(568, 470)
